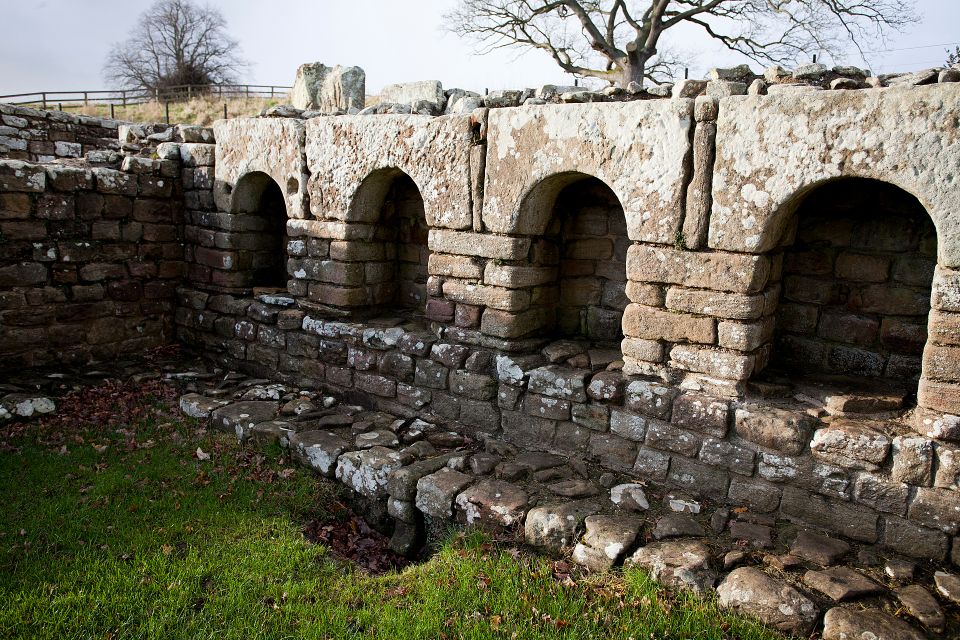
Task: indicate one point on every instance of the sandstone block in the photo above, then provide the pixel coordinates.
(714, 362)
(734, 306)
(474, 244)
(749, 591)
(701, 413)
(650, 323)
(852, 445)
(936, 508)
(436, 492)
(772, 428)
(852, 521)
(737, 273)
(559, 382)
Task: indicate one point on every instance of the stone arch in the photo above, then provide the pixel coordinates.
(261, 242)
(858, 259)
(579, 255)
(394, 259)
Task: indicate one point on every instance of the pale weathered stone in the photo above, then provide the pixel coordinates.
(643, 146)
(410, 92)
(366, 472)
(270, 146)
(555, 526)
(353, 161)
(436, 492)
(767, 153)
(678, 563)
(606, 540)
(319, 450)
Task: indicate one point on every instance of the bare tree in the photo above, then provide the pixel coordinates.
(624, 36)
(953, 57)
(175, 42)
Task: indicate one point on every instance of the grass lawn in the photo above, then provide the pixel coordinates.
(112, 527)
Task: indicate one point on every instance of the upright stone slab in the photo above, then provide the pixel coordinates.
(328, 89)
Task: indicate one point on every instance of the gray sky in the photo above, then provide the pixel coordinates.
(60, 45)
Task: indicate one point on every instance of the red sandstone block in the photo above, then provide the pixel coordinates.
(440, 310)
(467, 316)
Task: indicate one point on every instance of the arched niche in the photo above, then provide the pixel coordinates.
(262, 244)
(858, 261)
(583, 240)
(395, 259)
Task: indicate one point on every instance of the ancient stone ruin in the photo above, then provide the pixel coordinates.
(748, 300)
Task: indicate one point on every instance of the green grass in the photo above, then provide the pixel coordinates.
(143, 540)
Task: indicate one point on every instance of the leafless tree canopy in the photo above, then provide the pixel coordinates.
(175, 43)
(620, 40)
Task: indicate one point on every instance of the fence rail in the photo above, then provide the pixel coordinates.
(124, 97)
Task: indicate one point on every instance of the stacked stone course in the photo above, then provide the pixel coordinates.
(92, 257)
(42, 136)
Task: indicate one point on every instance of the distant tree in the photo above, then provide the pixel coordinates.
(620, 40)
(175, 42)
(953, 57)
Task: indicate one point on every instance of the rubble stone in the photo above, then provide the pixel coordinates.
(749, 591)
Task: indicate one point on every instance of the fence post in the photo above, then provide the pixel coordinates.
(224, 110)
(123, 96)
(166, 107)
(84, 98)
(59, 106)
(44, 99)
(247, 89)
(271, 92)
(112, 117)
(189, 91)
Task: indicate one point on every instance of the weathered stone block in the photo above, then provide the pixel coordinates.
(854, 522)
(852, 445)
(697, 478)
(912, 540)
(650, 398)
(482, 245)
(772, 428)
(701, 413)
(436, 492)
(559, 382)
(720, 453)
(936, 508)
(651, 323)
(734, 306)
(666, 437)
(737, 273)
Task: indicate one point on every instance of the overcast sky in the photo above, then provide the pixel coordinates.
(60, 45)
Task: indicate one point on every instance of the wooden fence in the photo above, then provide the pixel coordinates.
(64, 100)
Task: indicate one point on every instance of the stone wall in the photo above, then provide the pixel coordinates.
(856, 289)
(91, 259)
(41, 136)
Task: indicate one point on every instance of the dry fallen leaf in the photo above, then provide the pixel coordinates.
(201, 455)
